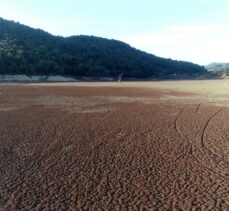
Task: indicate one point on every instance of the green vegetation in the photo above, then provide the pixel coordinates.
(24, 50)
(218, 69)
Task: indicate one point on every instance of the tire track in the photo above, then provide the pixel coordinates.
(201, 141)
(197, 108)
(176, 123)
(204, 134)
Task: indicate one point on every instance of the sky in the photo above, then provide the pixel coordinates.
(190, 30)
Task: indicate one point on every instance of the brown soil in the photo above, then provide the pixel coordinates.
(107, 148)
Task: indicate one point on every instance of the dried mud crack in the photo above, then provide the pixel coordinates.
(111, 148)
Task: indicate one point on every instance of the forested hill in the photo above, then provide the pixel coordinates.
(24, 50)
(223, 67)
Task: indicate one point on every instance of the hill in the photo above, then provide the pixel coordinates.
(218, 67)
(24, 50)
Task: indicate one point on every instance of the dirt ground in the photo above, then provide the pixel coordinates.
(111, 148)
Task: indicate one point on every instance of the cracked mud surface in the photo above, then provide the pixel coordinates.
(91, 148)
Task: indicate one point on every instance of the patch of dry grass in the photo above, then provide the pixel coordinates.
(205, 87)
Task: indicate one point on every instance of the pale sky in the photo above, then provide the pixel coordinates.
(190, 30)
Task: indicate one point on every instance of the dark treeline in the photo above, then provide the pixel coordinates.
(24, 50)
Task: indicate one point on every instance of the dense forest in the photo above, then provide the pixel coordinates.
(24, 50)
